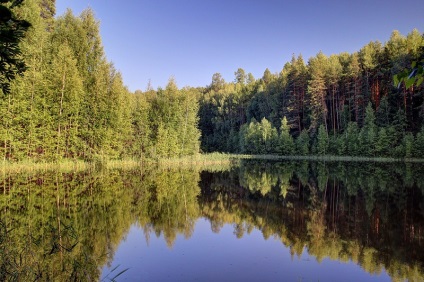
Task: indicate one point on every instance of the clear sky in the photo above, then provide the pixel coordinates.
(193, 39)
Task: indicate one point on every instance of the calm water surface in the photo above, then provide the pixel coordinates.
(207, 256)
(259, 221)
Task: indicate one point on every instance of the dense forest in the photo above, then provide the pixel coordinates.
(70, 102)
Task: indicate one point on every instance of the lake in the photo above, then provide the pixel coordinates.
(255, 221)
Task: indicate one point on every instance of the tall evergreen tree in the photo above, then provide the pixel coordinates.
(368, 133)
(317, 90)
(297, 86)
(302, 143)
(333, 78)
(286, 143)
(323, 141)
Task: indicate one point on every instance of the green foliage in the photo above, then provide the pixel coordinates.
(368, 134)
(408, 143)
(174, 121)
(419, 144)
(12, 30)
(323, 141)
(382, 147)
(349, 94)
(65, 98)
(352, 142)
(317, 89)
(302, 143)
(410, 77)
(259, 138)
(286, 142)
(72, 103)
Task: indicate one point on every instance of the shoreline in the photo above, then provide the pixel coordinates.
(211, 161)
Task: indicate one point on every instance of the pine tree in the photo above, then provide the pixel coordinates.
(302, 143)
(368, 57)
(333, 77)
(323, 141)
(368, 133)
(317, 90)
(352, 134)
(382, 147)
(241, 77)
(408, 144)
(353, 88)
(419, 144)
(296, 88)
(286, 143)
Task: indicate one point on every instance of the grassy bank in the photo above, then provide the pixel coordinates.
(329, 158)
(66, 165)
(29, 166)
(210, 162)
(221, 158)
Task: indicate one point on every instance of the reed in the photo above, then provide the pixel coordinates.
(29, 166)
(210, 162)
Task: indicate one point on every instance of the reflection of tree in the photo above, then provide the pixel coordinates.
(170, 204)
(258, 178)
(66, 225)
(370, 214)
(263, 177)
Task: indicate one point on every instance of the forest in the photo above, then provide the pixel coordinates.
(68, 101)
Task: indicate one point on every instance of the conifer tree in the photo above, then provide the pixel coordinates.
(317, 90)
(419, 144)
(352, 142)
(382, 147)
(302, 143)
(286, 143)
(323, 141)
(368, 133)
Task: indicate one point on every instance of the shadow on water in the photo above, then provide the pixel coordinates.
(67, 226)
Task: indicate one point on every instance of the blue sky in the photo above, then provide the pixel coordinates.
(193, 39)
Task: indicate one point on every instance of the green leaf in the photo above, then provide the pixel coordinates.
(414, 63)
(396, 81)
(420, 81)
(409, 82)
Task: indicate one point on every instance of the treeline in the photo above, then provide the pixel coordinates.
(72, 103)
(342, 104)
(370, 140)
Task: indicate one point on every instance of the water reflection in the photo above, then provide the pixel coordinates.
(66, 226)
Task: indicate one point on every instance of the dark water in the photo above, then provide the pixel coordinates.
(260, 221)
